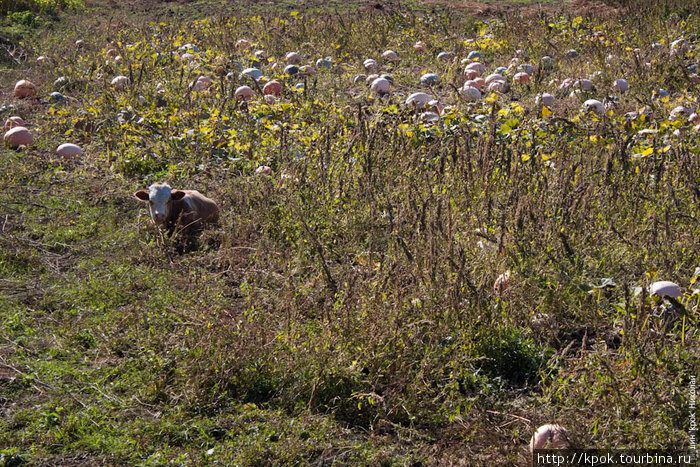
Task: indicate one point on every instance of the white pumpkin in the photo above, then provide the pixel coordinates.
(243, 44)
(665, 289)
(273, 88)
(585, 84)
(202, 83)
(419, 99)
(307, 70)
(370, 64)
(390, 55)
(18, 136)
(437, 105)
(545, 99)
(430, 79)
(14, 122)
(527, 68)
(476, 66)
(679, 112)
(471, 93)
(502, 283)
(474, 83)
(494, 77)
(471, 74)
(521, 78)
(429, 116)
(24, 88)
(252, 73)
(380, 86)
(120, 82)
(244, 93)
(593, 105)
(621, 85)
(69, 150)
(566, 84)
(293, 58)
(498, 86)
(550, 437)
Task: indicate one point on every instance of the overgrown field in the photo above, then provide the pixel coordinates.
(343, 309)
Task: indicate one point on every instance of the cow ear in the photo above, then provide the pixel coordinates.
(142, 195)
(177, 195)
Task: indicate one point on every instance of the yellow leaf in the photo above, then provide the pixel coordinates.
(546, 112)
(647, 152)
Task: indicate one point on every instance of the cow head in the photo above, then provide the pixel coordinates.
(159, 198)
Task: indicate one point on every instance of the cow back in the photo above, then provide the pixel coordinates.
(200, 208)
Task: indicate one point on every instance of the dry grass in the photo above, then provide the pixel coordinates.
(343, 309)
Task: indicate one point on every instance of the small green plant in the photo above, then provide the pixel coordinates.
(11, 458)
(510, 356)
(25, 18)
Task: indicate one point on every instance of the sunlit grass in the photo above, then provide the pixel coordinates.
(343, 309)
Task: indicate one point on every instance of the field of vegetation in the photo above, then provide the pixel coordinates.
(343, 309)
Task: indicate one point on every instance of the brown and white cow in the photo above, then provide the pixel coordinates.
(186, 208)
